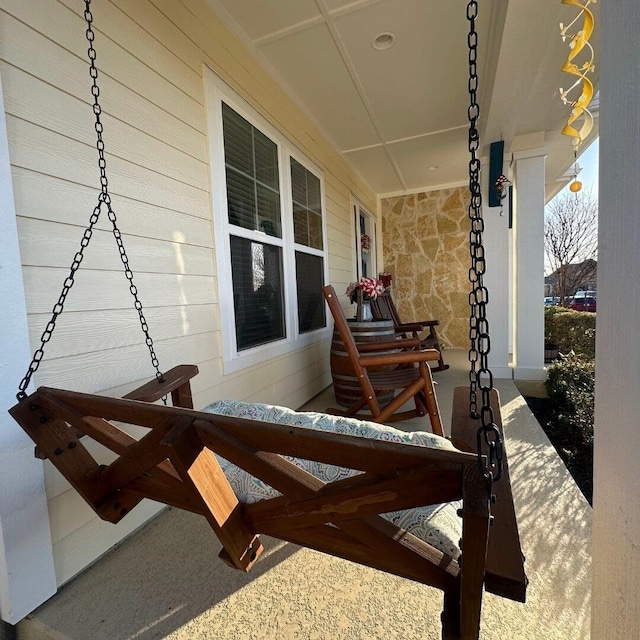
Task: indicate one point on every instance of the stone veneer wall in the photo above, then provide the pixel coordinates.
(425, 239)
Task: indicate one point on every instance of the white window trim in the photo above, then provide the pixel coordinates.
(356, 207)
(216, 91)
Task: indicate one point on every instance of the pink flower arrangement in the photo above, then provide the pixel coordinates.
(370, 287)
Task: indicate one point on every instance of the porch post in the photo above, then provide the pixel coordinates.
(616, 512)
(27, 576)
(529, 264)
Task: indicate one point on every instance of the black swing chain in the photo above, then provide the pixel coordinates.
(103, 198)
(480, 377)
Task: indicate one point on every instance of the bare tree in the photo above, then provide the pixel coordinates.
(571, 241)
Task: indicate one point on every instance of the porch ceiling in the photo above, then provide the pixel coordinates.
(399, 116)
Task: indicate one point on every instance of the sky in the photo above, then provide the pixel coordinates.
(589, 174)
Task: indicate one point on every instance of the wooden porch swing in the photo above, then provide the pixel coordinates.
(175, 462)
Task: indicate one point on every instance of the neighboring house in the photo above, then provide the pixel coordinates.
(238, 197)
(581, 276)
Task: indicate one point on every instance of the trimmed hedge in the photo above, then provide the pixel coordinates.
(571, 386)
(571, 330)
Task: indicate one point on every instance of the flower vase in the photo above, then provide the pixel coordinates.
(363, 312)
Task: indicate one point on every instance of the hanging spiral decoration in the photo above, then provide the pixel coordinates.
(578, 43)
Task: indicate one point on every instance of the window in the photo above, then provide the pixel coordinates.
(270, 234)
(365, 235)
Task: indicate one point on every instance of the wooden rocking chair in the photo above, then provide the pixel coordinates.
(406, 370)
(384, 308)
(174, 464)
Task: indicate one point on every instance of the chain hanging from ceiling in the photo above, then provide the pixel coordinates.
(489, 439)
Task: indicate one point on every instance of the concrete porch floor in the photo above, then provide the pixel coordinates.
(166, 581)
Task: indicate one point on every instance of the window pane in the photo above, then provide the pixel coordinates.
(315, 230)
(313, 193)
(298, 183)
(238, 145)
(300, 225)
(269, 211)
(253, 189)
(266, 153)
(241, 200)
(309, 282)
(257, 292)
(307, 209)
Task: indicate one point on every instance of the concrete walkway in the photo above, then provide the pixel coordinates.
(166, 581)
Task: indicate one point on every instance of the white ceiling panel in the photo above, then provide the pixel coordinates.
(447, 151)
(259, 18)
(394, 113)
(375, 166)
(430, 93)
(334, 5)
(309, 62)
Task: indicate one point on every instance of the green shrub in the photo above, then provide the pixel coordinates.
(571, 331)
(571, 386)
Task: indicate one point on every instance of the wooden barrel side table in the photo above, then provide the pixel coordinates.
(345, 382)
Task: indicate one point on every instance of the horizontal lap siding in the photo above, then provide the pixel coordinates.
(151, 55)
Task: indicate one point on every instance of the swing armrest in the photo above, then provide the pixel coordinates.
(176, 382)
(504, 574)
(173, 380)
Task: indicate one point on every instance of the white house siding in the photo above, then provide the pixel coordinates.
(151, 55)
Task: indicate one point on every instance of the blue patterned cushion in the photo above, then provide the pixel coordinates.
(439, 524)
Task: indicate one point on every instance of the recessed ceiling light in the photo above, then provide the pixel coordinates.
(384, 41)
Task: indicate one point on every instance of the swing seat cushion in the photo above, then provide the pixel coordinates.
(439, 525)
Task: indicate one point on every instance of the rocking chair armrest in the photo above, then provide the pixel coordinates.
(428, 323)
(154, 389)
(406, 343)
(404, 357)
(408, 326)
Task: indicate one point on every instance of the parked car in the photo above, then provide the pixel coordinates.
(585, 303)
(551, 301)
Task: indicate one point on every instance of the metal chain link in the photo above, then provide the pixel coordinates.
(480, 376)
(103, 198)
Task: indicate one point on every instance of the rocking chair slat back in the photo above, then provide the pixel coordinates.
(384, 307)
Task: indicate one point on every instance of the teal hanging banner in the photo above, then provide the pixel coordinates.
(496, 154)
